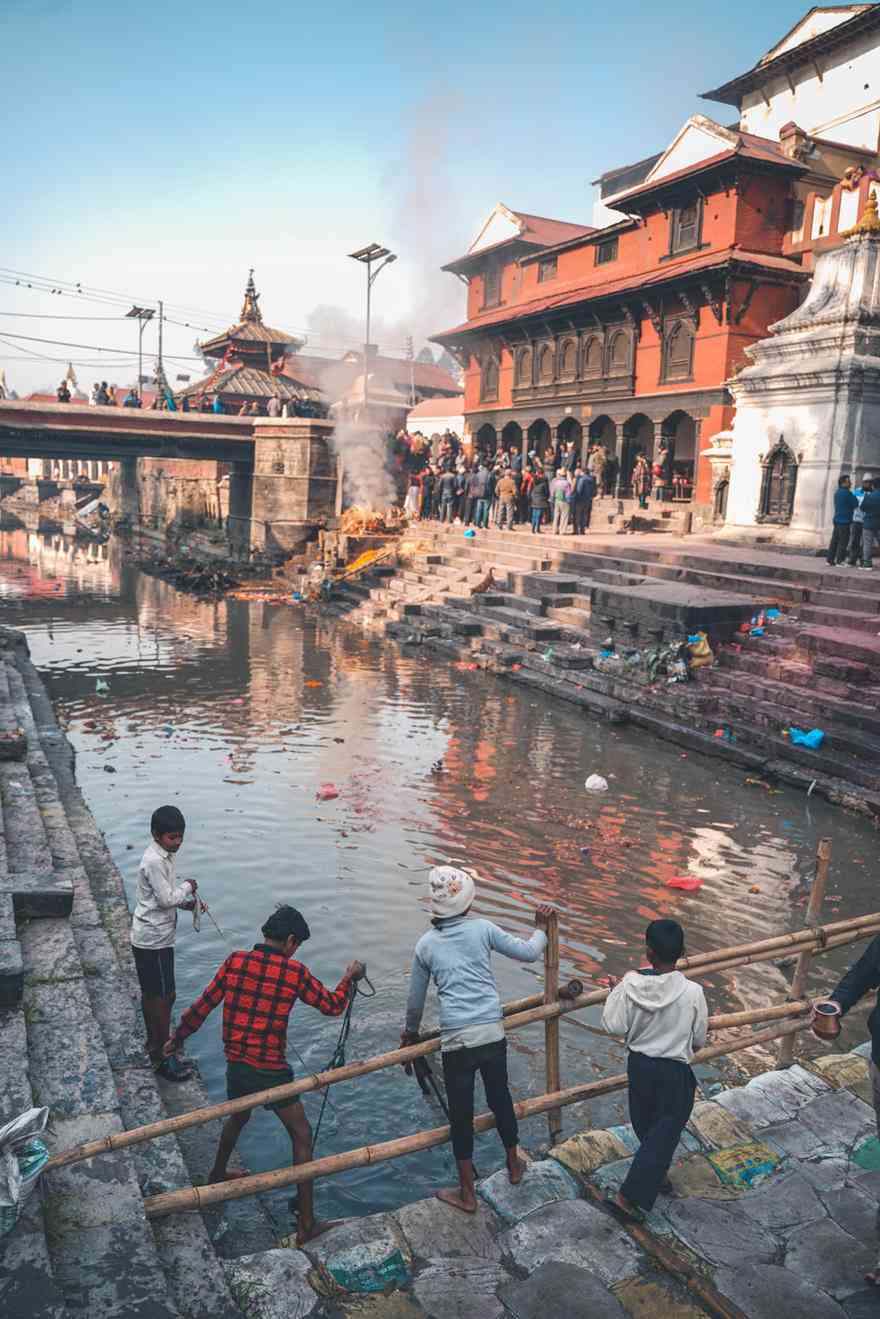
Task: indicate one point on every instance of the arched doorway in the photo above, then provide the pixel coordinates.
(603, 431)
(778, 482)
(568, 431)
(679, 435)
(512, 437)
(539, 438)
(638, 437)
(487, 441)
(719, 500)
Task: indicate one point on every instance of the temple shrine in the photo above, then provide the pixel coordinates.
(255, 364)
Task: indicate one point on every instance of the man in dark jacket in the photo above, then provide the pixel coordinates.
(860, 979)
(584, 494)
(870, 521)
(845, 504)
(427, 479)
(447, 487)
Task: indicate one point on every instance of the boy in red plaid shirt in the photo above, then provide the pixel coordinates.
(258, 989)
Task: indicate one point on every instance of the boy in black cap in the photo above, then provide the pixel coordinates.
(258, 989)
(663, 1018)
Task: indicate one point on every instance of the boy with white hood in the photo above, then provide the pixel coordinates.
(664, 1019)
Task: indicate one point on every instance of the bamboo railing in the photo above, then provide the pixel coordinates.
(549, 1007)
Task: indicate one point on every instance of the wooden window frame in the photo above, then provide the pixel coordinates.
(683, 325)
(676, 246)
(539, 378)
(593, 375)
(489, 393)
(613, 338)
(547, 269)
(609, 245)
(494, 300)
(524, 379)
(562, 372)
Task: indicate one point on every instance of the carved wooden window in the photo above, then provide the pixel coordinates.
(686, 227)
(568, 361)
(524, 367)
(593, 357)
(678, 351)
(492, 285)
(545, 365)
(618, 353)
(546, 269)
(489, 379)
(606, 252)
(778, 481)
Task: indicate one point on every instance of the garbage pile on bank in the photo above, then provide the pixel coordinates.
(207, 581)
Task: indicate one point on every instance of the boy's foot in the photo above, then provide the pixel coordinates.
(317, 1229)
(515, 1168)
(466, 1202)
(172, 1069)
(618, 1204)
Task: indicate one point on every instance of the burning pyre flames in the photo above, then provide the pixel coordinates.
(362, 521)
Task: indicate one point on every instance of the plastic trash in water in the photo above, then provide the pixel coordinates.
(756, 632)
(773, 614)
(813, 739)
(595, 783)
(327, 792)
(101, 686)
(687, 883)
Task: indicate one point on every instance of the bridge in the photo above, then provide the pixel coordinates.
(282, 479)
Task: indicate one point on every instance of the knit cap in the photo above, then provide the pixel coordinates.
(451, 891)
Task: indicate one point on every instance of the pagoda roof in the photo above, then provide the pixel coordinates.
(250, 382)
(249, 329)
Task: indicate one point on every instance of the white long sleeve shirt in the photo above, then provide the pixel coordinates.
(154, 923)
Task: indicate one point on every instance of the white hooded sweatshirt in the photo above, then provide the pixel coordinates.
(663, 1016)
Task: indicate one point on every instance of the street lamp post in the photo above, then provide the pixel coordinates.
(141, 315)
(368, 256)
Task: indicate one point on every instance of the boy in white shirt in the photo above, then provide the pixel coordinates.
(153, 930)
(664, 1019)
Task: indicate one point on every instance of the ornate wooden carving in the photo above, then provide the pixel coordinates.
(654, 317)
(690, 307)
(746, 302)
(713, 301)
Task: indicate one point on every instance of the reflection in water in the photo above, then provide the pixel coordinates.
(238, 712)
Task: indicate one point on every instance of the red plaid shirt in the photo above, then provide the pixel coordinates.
(258, 989)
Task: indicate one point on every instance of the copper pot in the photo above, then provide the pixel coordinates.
(826, 1021)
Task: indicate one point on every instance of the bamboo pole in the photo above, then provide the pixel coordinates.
(199, 1197)
(551, 1024)
(805, 958)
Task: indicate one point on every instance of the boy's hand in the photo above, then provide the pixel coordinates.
(543, 914)
(355, 971)
(188, 906)
(170, 1047)
(408, 1037)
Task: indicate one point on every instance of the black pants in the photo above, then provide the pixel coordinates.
(661, 1098)
(839, 542)
(855, 544)
(583, 510)
(460, 1067)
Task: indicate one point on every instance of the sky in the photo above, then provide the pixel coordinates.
(160, 151)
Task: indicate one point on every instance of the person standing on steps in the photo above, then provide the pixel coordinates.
(855, 531)
(663, 1018)
(845, 504)
(153, 932)
(870, 522)
(456, 953)
(258, 988)
(539, 500)
(560, 494)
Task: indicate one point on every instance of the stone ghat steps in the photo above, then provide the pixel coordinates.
(804, 704)
(81, 1035)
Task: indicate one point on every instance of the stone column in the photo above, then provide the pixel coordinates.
(294, 481)
(129, 504)
(238, 521)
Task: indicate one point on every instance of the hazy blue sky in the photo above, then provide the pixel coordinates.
(162, 151)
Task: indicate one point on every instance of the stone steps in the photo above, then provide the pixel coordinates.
(805, 704)
(828, 616)
(85, 1043)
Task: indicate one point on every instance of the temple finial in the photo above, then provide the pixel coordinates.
(869, 224)
(250, 310)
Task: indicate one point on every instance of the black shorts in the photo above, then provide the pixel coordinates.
(155, 968)
(243, 1079)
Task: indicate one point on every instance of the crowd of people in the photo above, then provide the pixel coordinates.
(856, 527)
(104, 395)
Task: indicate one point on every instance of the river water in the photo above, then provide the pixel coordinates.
(238, 712)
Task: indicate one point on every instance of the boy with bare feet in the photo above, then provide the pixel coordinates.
(456, 954)
(664, 1019)
(258, 989)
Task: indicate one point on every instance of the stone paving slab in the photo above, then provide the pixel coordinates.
(432, 1228)
(272, 1285)
(651, 1298)
(15, 1088)
(841, 1116)
(106, 1273)
(786, 1202)
(460, 1289)
(766, 1291)
(829, 1259)
(544, 1182)
(70, 1072)
(560, 1291)
(95, 1192)
(721, 1234)
(574, 1233)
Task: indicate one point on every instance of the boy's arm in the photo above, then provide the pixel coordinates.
(331, 1002)
(615, 1014)
(419, 979)
(701, 1022)
(521, 950)
(861, 977)
(200, 1011)
(167, 895)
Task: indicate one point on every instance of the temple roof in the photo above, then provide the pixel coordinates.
(249, 328)
(504, 226)
(250, 382)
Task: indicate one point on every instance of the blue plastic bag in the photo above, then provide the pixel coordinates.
(756, 632)
(773, 613)
(813, 739)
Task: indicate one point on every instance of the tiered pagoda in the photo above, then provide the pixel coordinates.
(255, 364)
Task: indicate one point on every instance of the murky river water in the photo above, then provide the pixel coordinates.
(238, 712)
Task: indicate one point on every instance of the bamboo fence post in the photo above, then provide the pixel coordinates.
(805, 958)
(551, 1025)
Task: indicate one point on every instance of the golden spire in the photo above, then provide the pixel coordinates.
(250, 310)
(869, 224)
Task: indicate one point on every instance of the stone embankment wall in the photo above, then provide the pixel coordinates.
(176, 494)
